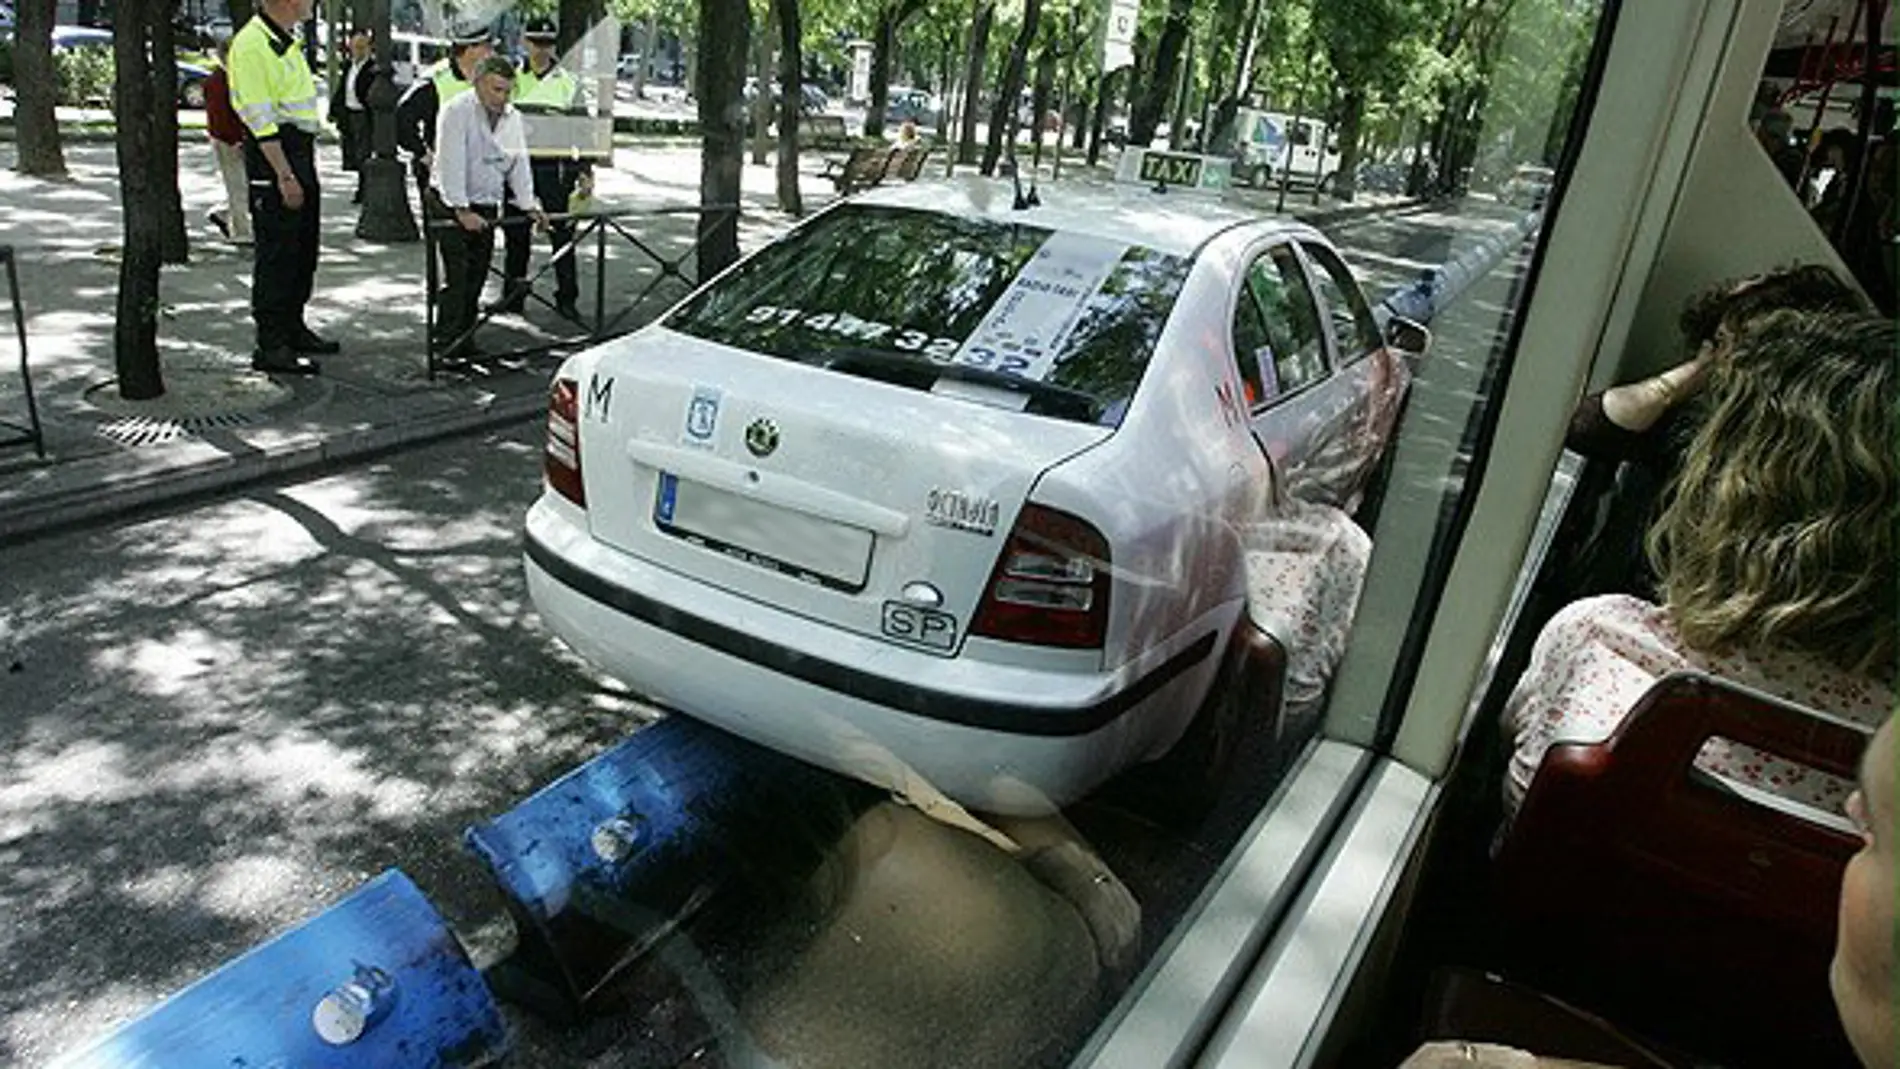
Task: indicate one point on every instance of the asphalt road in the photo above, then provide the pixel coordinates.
(218, 720)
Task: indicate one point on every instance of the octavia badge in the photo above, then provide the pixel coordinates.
(761, 437)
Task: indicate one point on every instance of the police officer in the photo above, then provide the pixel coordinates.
(276, 97)
(416, 112)
(545, 88)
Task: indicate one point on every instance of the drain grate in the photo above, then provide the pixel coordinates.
(145, 430)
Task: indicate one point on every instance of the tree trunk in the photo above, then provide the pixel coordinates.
(36, 92)
(1104, 94)
(174, 245)
(1003, 111)
(725, 32)
(973, 79)
(135, 326)
(1159, 80)
(791, 90)
(1042, 93)
(649, 42)
(1183, 101)
(576, 17)
(689, 53)
(1222, 129)
(890, 18)
(762, 100)
(1352, 117)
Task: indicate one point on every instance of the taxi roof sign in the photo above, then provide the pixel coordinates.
(1175, 170)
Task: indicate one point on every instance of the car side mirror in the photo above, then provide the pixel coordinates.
(1407, 336)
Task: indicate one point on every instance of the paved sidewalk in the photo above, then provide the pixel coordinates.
(221, 424)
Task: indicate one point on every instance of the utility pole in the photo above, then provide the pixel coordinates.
(385, 216)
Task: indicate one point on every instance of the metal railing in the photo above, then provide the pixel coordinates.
(32, 433)
(590, 228)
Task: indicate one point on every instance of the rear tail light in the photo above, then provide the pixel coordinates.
(1050, 586)
(561, 460)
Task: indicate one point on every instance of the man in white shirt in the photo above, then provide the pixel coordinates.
(481, 161)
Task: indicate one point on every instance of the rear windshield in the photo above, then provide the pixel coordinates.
(1070, 319)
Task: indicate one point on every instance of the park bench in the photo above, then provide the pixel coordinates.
(908, 163)
(864, 168)
(822, 131)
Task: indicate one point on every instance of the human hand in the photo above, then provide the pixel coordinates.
(291, 190)
(540, 219)
(469, 221)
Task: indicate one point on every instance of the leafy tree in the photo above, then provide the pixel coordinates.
(35, 87)
(891, 17)
(1003, 109)
(1220, 130)
(985, 16)
(1362, 40)
(1158, 82)
(135, 325)
(724, 35)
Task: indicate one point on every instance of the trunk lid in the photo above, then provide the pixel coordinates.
(838, 495)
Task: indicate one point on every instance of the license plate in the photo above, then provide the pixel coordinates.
(784, 540)
(920, 627)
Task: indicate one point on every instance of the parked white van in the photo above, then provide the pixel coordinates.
(1266, 143)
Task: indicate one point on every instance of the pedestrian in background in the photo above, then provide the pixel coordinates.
(546, 89)
(481, 164)
(349, 111)
(276, 98)
(226, 132)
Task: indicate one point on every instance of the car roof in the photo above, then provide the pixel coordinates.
(1177, 222)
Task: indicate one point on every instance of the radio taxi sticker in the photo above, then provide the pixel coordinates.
(1031, 322)
(702, 417)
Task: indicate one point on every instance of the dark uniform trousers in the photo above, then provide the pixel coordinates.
(553, 185)
(285, 266)
(465, 258)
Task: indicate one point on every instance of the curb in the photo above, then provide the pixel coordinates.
(117, 497)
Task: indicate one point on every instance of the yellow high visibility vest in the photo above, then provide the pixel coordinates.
(449, 84)
(271, 84)
(556, 89)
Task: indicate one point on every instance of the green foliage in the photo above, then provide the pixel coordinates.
(6, 61)
(85, 75)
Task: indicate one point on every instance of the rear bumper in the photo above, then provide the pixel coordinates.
(1002, 738)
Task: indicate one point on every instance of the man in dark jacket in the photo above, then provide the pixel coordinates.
(416, 112)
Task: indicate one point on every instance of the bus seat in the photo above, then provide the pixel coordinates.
(601, 864)
(376, 981)
(1462, 1003)
(1647, 891)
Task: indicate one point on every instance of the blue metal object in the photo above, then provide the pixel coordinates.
(604, 862)
(376, 980)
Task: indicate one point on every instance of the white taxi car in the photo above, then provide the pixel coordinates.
(938, 490)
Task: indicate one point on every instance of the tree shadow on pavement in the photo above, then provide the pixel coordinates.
(216, 722)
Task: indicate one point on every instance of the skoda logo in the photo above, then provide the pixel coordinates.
(761, 437)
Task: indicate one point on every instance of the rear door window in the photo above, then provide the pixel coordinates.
(1277, 285)
(1353, 326)
(1073, 311)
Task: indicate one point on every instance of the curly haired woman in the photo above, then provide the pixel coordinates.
(1774, 553)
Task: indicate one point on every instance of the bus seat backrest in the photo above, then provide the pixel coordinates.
(1652, 876)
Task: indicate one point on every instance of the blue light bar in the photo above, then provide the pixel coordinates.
(600, 864)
